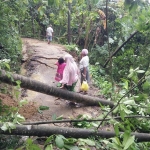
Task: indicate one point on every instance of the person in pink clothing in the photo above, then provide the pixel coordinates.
(61, 65)
(70, 74)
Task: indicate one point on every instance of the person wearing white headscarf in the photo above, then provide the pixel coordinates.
(84, 66)
(70, 74)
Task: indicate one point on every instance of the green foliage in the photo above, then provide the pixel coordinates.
(126, 143)
(72, 47)
(29, 145)
(61, 142)
(9, 118)
(100, 81)
(9, 39)
(98, 54)
(41, 108)
(84, 123)
(9, 142)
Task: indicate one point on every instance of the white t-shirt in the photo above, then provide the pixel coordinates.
(49, 31)
(84, 62)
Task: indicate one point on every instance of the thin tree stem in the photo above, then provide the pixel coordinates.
(90, 120)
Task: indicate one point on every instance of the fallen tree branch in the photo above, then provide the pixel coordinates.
(34, 130)
(119, 48)
(50, 90)
(139, 83)
(90, 120)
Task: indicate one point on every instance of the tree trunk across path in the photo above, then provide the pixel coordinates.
(54, 91)
(42, 130)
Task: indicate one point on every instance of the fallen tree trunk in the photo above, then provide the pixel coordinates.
(35, 130)
(50, 90)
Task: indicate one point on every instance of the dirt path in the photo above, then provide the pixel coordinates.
(39, 59)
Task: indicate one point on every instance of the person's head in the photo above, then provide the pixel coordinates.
(84, 52)
(61, 60)
(69, 58)
(50, 25)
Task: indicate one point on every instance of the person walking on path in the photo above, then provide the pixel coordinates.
(49, 33)
(70, 74)
(60, 68)
(84, 66)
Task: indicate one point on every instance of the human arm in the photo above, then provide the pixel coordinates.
(46, 32)
(57, 63)
(52, 31)
(84, 72)
(64, 79)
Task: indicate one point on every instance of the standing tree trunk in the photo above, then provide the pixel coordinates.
(49, 90)
(87, 33)
(33, 30)
(69, 20)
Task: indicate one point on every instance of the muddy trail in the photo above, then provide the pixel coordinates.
(39, 64)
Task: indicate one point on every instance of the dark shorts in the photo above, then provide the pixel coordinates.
(49, 38)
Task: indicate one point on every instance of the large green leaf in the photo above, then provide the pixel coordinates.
(49, 147)
(59, 141)
(129, 141)
(116, 141)
(88, 142)
(122, 114)
(49, 139)
(70, 147)
(146, 86)
(34, 147)
(116, 129)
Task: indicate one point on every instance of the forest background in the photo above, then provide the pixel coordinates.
(116, 33)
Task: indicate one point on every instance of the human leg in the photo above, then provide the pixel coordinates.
(87, 77)
(48, 39)
(70, 88)
(82, 77)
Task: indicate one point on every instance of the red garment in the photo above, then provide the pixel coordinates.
(60, 69)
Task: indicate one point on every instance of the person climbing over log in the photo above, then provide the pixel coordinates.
(70, 74)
